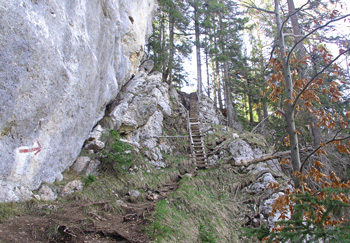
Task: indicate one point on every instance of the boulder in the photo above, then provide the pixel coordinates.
(94, 145)
(261, 184)
(46, 193)
(134, 195)
(92, 167)
(150, 196)
(122, 204)
(240, 148)
(96, 133)
(80, 164)
(71, 187)
(208, 113)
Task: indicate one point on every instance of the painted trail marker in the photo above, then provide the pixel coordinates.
(30, 150)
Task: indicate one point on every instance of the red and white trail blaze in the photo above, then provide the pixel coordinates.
(30, 150)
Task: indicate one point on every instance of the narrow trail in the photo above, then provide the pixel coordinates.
(73, 223)
(129, 227)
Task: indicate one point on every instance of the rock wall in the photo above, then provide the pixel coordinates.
(61, 63)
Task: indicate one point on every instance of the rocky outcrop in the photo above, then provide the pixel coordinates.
(208, 114)
(61, 63)
(224, 145)
(139, 113)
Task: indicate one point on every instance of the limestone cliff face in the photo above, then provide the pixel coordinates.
(61, 63)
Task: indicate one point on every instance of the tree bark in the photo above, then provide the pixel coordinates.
(260, 116)
(250, 104)
(218, 84)
(163, 56)
(266, 113)
(289, 114)
(198, 48)
(214, 83)
(228, 98)
(316, 133)
(301, 53)
(171, 51)
(207, 67)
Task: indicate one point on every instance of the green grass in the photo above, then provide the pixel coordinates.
(12, 209)
(203, 209)
(9, 210)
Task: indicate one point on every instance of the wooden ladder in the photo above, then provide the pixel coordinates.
(196, 138)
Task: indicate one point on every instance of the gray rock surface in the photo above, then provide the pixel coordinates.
(134, 195)
(71, 187)
(61, 63)
(46, 193)
(240, 148)
(94, 145)
(80, 164)
(140, 112)
(92, 167)
(208, 113)
(122, 204)
(261, 184)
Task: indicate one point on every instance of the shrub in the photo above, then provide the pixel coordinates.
(89, 180)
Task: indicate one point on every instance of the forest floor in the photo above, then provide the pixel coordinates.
(73, 223)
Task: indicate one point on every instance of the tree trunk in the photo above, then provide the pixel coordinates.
(214, 83)
(301, 53)
(198, 48)
(250, 103)
(266, 113)
(289, 113)
(296, 28)
(163, 56)
(171, 51)
(316, 133)
(212, 62)
(228, 99)
(207, 67)
(260, 116)
(218, 84)
(251, 117)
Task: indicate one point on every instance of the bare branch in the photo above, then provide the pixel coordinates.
(315, 76)
(271, 54)
(313, 31)
(262, 122)
(185, 34)
(285, 21)
(281, 111)
(257, 8)
(334, 139)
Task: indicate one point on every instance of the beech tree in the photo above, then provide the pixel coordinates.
(311, 211)
(289, 81)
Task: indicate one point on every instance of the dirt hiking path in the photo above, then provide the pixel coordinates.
(74, 224)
